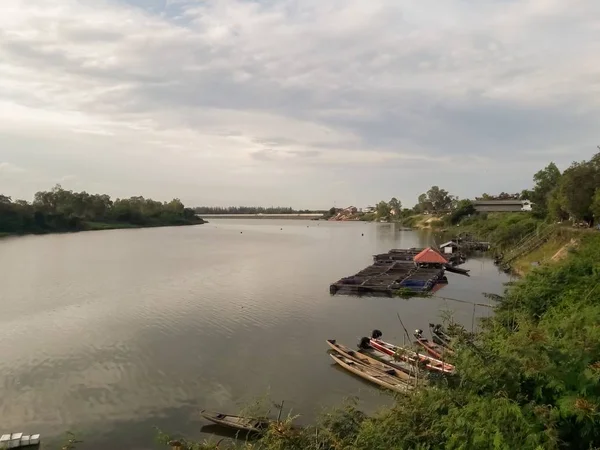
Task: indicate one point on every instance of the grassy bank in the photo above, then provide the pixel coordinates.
(554, 250)
(529, 380)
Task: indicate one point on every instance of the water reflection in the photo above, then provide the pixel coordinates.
(113, 333)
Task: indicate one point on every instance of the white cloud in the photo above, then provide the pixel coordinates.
(251, 100)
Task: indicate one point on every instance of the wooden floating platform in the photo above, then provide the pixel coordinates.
(387, 277)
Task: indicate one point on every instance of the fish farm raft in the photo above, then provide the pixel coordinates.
(415, 269)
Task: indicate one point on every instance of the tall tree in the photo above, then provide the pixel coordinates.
(440, 199)
(383, 210)
(578, 186)
(545, 181)
(595, 207)
(395, 206)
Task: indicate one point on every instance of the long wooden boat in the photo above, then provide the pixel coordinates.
(410, 356)
(248, 424)
(432, 348)
(369, 374)
(370, 362)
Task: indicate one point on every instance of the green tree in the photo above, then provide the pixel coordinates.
(578, 186)
(383, 210)
(545, 181)
(435, 199)
(595, 207)
(394, 206)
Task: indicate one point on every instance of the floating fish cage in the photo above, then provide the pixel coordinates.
(385, 278)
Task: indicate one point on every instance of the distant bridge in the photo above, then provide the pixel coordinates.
(261, 216)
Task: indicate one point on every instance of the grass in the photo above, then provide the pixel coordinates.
(545, 253)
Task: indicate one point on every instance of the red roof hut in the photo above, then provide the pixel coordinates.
(430, 256)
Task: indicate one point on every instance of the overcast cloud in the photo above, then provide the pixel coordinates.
(294, 102)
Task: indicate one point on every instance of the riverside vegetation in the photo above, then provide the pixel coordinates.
(529, 380)
(59, 210)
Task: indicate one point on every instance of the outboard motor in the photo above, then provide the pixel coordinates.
(419, 334)
(364, 343)
(376, 334)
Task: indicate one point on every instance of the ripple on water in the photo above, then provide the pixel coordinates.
(112, 332)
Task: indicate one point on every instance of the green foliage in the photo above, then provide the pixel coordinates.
(382, 210)
(545, 181)
(595, 207)
(464, 208)
(504, 230)
(578, 186)
(60, 210)
(435, 199)
(529, 380)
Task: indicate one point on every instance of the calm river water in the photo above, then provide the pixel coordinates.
(111, 333)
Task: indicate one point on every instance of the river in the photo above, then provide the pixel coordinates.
(111, 333)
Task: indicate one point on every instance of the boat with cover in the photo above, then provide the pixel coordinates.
(370, 362)
(368, 373)
(406, 354)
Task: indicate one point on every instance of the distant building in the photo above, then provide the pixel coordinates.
(502, 205)
(369, 209)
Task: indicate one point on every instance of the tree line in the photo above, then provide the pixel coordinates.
(573, 194)
(60, 210)
(251, 210)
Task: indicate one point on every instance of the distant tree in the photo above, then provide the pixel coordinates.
(525, 194)
(545, 181)
(578, 186)
(464, 208)
(395, 206)
(435, 199)
(383, 210)
(595, 207)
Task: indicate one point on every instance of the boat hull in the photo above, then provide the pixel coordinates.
(364, 372)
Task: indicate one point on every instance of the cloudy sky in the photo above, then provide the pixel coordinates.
(294, 102)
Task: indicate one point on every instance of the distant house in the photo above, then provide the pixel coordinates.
(369, 209)
(449, 247)
(502, 205)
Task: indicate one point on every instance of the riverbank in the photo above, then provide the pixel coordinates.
(102, 226)
(528, 380)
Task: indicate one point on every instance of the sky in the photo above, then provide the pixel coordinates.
(302, 103)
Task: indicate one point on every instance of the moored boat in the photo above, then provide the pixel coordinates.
(435, 350)
(240, 423)
(440, 336)
(406, 354)
(368, 373)
(370, 362)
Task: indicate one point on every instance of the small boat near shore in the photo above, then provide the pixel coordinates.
(240, 423)
(440, 336)
(406, 354)
(370, 362)
(368, 373)
(435, 350)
